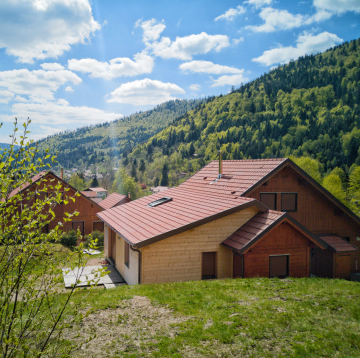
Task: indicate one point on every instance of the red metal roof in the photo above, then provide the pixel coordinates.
(89, 194)
(112, 200)
(239, 175)
(138, 223)
(26, 185)
(254, 228)
(338, 244)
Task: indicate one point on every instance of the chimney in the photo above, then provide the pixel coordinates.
(220, 165)
(62, 173)
(129, 194)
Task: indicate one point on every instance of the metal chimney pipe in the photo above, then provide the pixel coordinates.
(220, 165)
(62, 173)
(129, 194)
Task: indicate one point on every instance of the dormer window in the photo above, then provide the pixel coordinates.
(163, 200)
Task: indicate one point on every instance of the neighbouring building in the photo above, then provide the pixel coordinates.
(257, 218)
(86, 221)
(99, 192)
(159, 189)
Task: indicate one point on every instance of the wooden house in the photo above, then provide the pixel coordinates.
(86, 221)
(254, 218)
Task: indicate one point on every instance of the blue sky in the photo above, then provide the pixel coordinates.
(70, 63)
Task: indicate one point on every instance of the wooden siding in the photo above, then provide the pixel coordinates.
(314, 210)
(106, 240)
(283, 239)
(130, 274)
(178, 258)
(87, 210)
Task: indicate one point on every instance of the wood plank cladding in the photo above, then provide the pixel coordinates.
(179, 258)
(314, 210)
(282, 240)
(87, 210)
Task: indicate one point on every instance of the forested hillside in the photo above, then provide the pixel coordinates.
(101, 144)
(309, 107)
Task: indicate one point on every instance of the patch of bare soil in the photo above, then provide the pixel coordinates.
(132, 328)
(96, 261)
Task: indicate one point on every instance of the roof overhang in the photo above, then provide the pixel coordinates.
(253, 203)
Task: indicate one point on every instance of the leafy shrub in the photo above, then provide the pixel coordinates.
(69, 239)
(95, 235)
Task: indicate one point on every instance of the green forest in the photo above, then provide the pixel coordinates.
(102, 144)
(307, 108)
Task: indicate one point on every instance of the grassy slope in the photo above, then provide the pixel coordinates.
(234, 317)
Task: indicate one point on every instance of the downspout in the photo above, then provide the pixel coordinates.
(139, 268)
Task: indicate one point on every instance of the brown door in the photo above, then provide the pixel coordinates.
(78, 225)
(99, 226)
(237, 265)
(113, 246)
(208, 265)
(279, 266)
(343, 266)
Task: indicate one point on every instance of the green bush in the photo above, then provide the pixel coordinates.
(95, 235)
(69, 239)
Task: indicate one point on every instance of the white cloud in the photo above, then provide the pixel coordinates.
(237, 41)
(305, 44)
(230, 14)
(233, 80)
(69, 89)
(145, 92)
(207, 67)
(258, 3)
(195, 87)
(117, 67)
(52, 66)
(6, 96)
(277, 20)
(151, 29)
(39, 85)
(51, 113)
(184, 48)
(44, 28)
(337, 6)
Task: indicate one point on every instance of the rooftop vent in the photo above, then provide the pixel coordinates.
(160, 201)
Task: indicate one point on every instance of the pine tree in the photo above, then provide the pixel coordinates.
(94, 182)
(165, 176)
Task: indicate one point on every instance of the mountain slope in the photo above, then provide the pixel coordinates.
(100, 143)
(309, 107)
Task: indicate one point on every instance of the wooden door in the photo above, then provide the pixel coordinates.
(237, 265)
(78, 225)
(113, 246)
(208, 265)
(343, 266)
(279, 266)
(98, 226)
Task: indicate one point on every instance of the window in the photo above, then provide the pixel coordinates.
(288, 201)
(269, 200)
(346, 238)
(163, 200)
(127, 254)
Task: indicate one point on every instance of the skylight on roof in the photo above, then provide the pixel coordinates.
(160, 201)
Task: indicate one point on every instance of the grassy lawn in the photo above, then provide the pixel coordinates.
(225, 318)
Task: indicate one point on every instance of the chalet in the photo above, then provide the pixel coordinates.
(96, 192)
(86, 221)
(256, 218)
